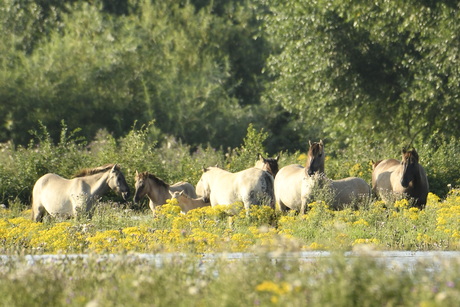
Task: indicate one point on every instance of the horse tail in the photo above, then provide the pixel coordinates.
(269, 189)
(32, 214)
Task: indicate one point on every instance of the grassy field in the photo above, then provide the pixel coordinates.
(117, 229)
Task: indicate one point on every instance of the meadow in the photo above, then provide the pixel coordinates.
(122, 229)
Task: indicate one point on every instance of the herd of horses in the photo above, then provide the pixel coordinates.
(292, 187)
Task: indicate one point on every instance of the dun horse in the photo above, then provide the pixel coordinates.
(186, 203)
(402, 179)
(288, 181)
(65, 197)
(157, 190)
(268, 164)
(252, 186)
(342, 192)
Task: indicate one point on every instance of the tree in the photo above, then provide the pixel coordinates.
(384, 70)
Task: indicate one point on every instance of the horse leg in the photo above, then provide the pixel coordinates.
(38, 211)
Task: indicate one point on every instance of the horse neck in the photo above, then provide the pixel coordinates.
(98, 183)
(417, 175)
(157, 193)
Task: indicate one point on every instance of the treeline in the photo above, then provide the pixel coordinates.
(380, 73)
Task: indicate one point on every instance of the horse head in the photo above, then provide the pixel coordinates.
(117, 182)
(268, 164)
(315, 162)
(410, 166)
(140, 185)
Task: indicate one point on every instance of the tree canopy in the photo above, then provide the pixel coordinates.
(386, 71)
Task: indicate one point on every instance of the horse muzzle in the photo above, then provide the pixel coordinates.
(405, 183)
(125, 195)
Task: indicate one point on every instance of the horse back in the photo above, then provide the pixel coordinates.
(51, 191)
(255, 186)
(382, 173)
(188, 188)
(350, 189)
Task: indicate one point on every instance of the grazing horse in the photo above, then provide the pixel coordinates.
(157, 190)
(65, 197)
(268, 164)
(186, 203)
(342, 192)
(251, 186)
(402, 179)
(289, 179)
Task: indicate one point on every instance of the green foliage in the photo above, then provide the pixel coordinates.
(441, 159)
(245, 156)
(357, 70)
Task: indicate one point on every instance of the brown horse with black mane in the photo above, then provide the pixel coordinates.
(157, 190)
(403, 179)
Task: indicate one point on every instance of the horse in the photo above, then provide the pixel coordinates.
(67, 197)
(186, 203)
(289, 179)
(251, 186)
(268, 164)
(392, 178)
(157, 190)
(342, 192)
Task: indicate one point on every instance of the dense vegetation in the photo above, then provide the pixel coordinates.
(384, 73)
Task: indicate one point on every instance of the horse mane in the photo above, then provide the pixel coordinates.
(374, 164)
(157, 180)
(91, 171)
(271, 163)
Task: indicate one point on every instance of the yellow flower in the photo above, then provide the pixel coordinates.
(366, 241)
(361, 222)
(302, 157)
(316, 246)
(402, 204)
(272, 287)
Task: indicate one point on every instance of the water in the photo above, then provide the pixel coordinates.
(393, 259)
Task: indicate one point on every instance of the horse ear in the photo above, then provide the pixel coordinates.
(277, 157)
(137, 173)
(114, 167)
(261, 158)
(321, 142)
(309, 142)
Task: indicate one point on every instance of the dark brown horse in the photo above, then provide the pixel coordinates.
(268, 164)
(405, 179)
